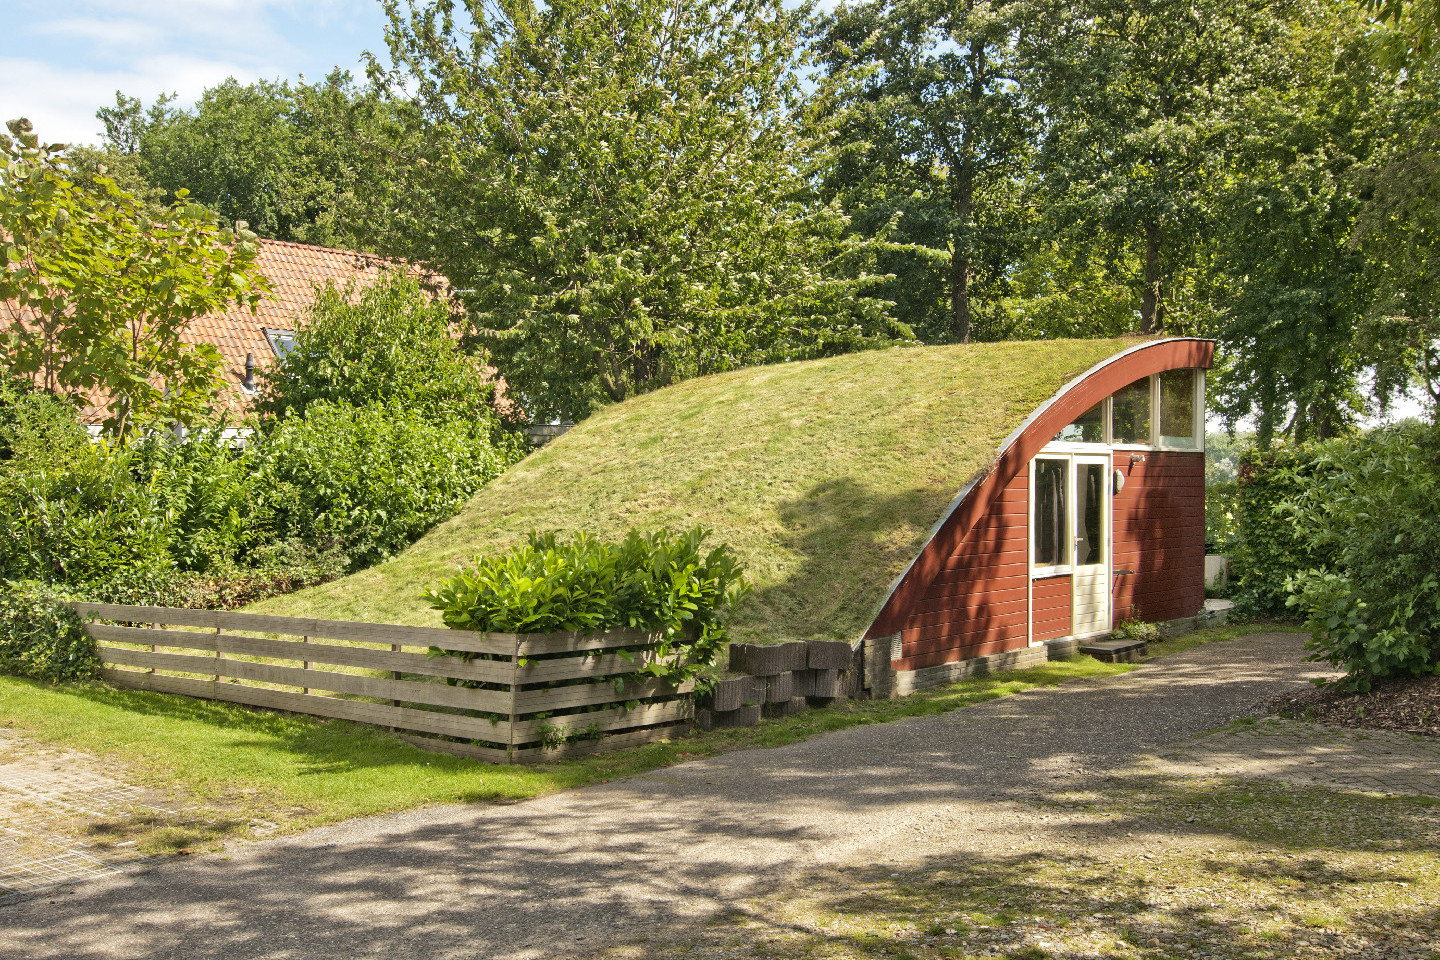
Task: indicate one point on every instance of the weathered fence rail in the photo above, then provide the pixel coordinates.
(520, 697)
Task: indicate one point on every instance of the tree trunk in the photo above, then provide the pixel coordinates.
(959, 294)
(1152, 301)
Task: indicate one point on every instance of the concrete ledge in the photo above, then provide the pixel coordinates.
(1067, 648)
(1114, 651)
(909, 681)
(1217, 611)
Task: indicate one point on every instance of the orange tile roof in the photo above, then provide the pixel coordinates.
(296, 272)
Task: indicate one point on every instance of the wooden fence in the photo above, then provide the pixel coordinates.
(525, 697)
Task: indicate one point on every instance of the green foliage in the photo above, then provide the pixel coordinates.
(1375, 609)
(390, 342)
(1136, 630)
(929, 99)
(76, 513)
(42, 638)
(1295, 283)
(1138, 97)
(205, 522)
(291, 160)
(1275, 524)
(623, 188)
(1397, 640)
(1410, 29)
(368, 480)
(99, 294)
(656, 582)
(1222, 490)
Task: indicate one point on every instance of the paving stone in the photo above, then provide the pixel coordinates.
(828, 655)
(786, 709)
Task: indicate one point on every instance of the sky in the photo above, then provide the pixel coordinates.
(64, 59)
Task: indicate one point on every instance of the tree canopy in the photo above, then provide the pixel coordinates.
(99, 293)
(621, 191)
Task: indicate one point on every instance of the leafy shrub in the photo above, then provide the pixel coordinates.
(33, 422)
(388, 343)
(1373, 507)
(1222, 465)
(1136, 630)
(77, 513)
(42, 638)
(208, 489)
(368, 481)
(655, 582)
(1276, 515)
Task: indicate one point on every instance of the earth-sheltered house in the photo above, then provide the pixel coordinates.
(943, 508)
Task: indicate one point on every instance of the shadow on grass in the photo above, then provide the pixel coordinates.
(843, 531)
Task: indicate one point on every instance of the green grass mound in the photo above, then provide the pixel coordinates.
(824, 476)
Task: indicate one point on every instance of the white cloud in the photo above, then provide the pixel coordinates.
(62, 102)
(78, 53)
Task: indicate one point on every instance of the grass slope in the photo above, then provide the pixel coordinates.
(824, 476)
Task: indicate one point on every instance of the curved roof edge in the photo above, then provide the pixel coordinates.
(1016, 450)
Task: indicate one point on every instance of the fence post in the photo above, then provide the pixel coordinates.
(219, 631)
(514, 698)
(305, 664)
(394, 675)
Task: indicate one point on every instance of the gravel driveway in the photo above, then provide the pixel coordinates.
(572, 872)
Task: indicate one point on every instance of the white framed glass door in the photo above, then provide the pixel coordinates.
(1090, 580)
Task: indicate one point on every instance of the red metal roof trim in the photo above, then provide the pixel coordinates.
(1097, 383)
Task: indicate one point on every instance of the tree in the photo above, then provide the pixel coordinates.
(620, 190)
(390, 342)
(1138, 97)
(98, 295)
(931, 88)
(1298, 287)
(292, 161)
(1410, 36)
(1398, 227)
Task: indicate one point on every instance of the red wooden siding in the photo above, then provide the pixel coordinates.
(1052, 602)
(971, 510)
(979, 602)
(968, 592)
(1160, 535)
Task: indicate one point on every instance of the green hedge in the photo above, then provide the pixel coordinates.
(1347, 534)
(654, 581)
(42, 638)
(1274, 525)
(329, 491)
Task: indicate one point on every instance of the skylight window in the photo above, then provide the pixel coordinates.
(281, 342)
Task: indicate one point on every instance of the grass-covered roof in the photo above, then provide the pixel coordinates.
(824, 476)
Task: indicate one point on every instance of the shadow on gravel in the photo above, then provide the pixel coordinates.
(1141, 877)
(564, 874)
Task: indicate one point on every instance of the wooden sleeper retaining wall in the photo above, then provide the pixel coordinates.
(519, 714)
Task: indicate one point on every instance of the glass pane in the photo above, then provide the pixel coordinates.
(1132, 413)
(1088, 428)
(1050, 528)
(1090, 512)
(1177, 408)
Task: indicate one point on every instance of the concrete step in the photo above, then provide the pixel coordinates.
(1114, 651)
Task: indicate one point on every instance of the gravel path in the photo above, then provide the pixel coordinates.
(574, 871)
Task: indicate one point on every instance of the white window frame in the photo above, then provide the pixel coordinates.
(1197, 425)
(1038, 572)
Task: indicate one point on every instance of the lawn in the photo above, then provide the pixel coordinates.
(222, 766)
(825, 477)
